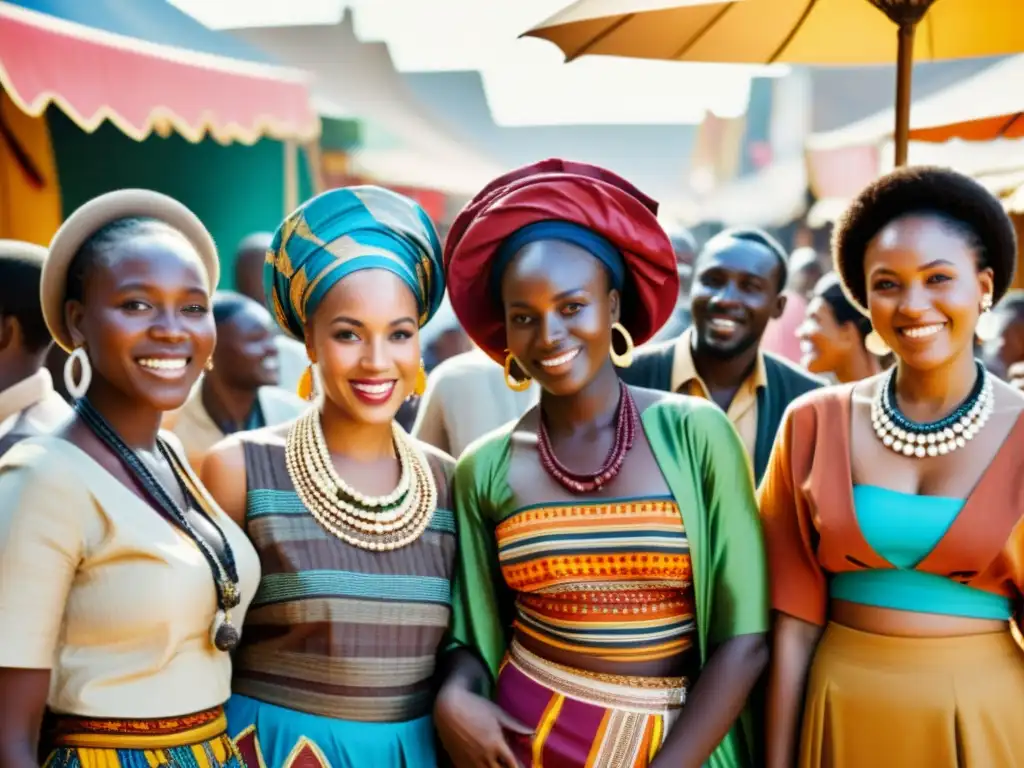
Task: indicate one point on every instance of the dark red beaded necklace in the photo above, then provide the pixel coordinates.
(626, 422)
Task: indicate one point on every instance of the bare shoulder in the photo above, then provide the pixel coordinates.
(224, 476)
(227, 455)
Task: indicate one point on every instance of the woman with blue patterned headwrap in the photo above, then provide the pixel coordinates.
(350, 515)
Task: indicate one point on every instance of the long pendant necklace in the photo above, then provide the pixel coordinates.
(223, 633)
(936, 438)
(377, 524)
(626, 421)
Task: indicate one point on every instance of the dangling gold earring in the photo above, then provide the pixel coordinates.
(876, 345)
(305, 388)
(421, 381)
(626, 358)
(514, 384)
(209, 365)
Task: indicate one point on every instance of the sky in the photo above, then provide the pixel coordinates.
(526, 80)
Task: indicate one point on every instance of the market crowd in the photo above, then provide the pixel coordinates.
(561, 488)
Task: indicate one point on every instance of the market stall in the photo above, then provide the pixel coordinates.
(142, 66)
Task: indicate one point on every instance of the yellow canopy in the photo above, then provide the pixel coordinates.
(797, 31)
(847, 32)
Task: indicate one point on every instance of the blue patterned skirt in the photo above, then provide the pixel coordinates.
(268, 736)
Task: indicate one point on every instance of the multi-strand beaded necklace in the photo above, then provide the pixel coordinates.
(626, 422)
(375, 523)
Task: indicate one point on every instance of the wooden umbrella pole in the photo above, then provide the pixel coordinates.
(904, 79)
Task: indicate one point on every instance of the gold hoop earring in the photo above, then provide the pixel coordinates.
(876, 345)
(626, 358)
(514, 384)
(421, 381)
(305, 387)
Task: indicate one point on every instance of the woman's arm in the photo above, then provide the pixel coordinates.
(471, 727)
(735, 615)
(798, 588)
(715, 702)
(22, 703)
(42, 514)
(793, 647)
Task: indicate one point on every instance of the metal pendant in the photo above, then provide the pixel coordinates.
(223, 634)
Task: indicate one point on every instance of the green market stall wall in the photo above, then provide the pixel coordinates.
(234, 189)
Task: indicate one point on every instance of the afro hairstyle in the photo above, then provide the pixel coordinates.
(960, 202)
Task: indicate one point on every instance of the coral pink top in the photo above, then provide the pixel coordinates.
(811, 530)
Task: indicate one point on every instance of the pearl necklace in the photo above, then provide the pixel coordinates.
(938, 438)
(374, 523)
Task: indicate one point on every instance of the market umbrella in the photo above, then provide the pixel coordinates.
(846, 32)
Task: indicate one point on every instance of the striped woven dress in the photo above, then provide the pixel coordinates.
(337, 661)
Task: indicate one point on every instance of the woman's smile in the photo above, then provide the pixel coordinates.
(919, 332)
(559, 363)
(165, 367)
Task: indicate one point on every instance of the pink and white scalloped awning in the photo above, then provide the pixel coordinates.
(142, 86)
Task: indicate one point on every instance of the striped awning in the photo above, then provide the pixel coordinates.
(146, 66)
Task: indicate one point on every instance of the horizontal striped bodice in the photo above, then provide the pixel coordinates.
(336, 630)
(608, 579)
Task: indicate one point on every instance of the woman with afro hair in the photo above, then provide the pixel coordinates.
(892, 506)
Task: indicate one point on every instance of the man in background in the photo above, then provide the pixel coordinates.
(249, 258)
(685, 247)
(1003, 345)
(739, 277)
(29, 405)
(805, 268)
(466, 398)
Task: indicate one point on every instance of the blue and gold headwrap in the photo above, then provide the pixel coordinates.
(343, 231)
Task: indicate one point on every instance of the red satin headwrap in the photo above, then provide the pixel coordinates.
(559, 190)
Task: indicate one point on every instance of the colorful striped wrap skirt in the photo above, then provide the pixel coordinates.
(192, 741)
(585, 719)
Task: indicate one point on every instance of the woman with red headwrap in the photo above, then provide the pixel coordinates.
(611, 566)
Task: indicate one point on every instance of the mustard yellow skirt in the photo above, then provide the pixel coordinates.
(875, 700)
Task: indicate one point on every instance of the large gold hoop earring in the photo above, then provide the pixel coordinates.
(514, 384)
(626, 358)
(421, 381)
(876, 345)
(305, 388)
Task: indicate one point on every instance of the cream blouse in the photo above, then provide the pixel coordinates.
(99, 588)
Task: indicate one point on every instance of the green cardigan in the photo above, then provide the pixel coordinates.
(708, 473)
